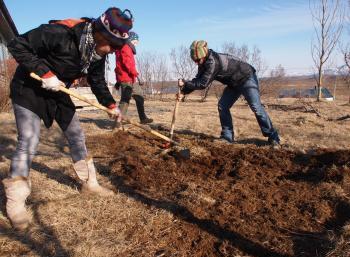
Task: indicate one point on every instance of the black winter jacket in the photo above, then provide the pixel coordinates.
(53, 47)
(224, 68)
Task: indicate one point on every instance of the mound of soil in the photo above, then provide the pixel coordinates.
(233, 200)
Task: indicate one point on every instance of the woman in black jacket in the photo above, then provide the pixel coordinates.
(59, 52)
(240, 79)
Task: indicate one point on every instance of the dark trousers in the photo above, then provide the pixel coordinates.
(126, 94)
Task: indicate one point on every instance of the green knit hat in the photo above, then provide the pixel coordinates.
(199, 49)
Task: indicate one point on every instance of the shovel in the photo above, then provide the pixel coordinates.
(172, 127)
(183, 153)
(173, 124)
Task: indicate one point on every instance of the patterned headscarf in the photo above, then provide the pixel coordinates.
(87, 48)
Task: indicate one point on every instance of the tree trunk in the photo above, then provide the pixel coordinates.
(335, 88)
(319, 84)
(205, 94)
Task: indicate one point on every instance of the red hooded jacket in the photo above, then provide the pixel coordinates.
(125, 68)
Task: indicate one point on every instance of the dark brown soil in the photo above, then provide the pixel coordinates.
(234, 200)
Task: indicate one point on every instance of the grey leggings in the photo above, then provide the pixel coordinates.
(28, 129)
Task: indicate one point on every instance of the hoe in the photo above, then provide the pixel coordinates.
(179, 151)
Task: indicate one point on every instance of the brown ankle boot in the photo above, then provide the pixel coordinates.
(86, 171)
(146, 120)
(17, 190)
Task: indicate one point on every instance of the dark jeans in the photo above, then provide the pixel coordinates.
(250, 91)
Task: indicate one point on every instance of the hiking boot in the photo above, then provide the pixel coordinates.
(146, 121)
(226, 135)
(274, 143)
(117, 126)
(223, 140)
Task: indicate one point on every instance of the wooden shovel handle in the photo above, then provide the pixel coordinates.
(103, 108)
(174, 115)
(80, 97)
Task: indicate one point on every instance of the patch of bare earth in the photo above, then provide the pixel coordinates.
(238, 200)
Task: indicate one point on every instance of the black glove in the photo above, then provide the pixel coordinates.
(117, 85)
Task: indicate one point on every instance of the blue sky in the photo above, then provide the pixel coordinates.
(282, 29)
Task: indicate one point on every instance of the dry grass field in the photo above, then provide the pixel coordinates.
(243, 199)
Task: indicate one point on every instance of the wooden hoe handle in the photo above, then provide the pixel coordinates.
(103, 108)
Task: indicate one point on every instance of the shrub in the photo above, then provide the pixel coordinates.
(7, 69)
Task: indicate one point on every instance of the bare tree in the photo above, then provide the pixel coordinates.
(239, 52)
(7, 70)
(218, 89)
(345, 49)
(160, 71)
(347, 69)
(243, 53)
(344, 72)
(184, 67)
(145, 69)
(327, 16)
(275, 77)
(258, 62)
(347, 59)
(153, 69)
(205, 93)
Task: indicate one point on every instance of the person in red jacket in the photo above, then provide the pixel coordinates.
(126, 75)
